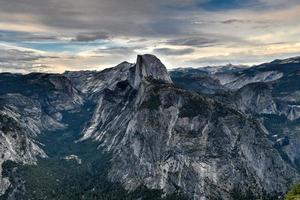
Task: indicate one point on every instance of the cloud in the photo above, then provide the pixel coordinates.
(18, 36)
(245, 57)
(194, 41)
(233, 21)
(14, 55)
(93, 33)
(90, 37)
(22, 60)
(206, 40)
(115, 50)
(41, 37)
(173, 52)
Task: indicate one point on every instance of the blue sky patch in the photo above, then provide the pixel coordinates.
(216, 5)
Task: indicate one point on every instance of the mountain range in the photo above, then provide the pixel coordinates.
(139, 131)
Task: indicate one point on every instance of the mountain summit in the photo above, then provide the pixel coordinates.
(163, 137)
(150, 67)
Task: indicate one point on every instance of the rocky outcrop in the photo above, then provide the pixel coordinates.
(171, 139)
(270, 92)
(31, 105)
(160, 135)
(196, 80)
(91, 83)
(292, 112)
(149, 67)
(256, 98)
(244, 79)
(17, 130)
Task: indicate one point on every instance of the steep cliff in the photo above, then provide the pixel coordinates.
(167, 138)
(202, 138)
(30, 105)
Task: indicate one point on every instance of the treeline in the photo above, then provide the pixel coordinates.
(294, 193)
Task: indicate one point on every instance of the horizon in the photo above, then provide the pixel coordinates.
(168, 68)
(58, 36)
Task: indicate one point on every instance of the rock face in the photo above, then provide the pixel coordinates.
(197, 80)
(16, 142)
(92, 83)
(209, 138)
(17, 129)
(150, 67)
(171, 139)
(256, 98)
(270, 92)
(30, 105)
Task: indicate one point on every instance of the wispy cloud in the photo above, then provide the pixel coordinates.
(22, 60)
(90, 37)
(173, 52)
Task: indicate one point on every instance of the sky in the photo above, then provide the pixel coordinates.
(58, 35)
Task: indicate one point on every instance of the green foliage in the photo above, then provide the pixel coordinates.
(55, 178)
(152, 103)
(8, 124)
(294, 193)
(275, 123)
(282, 127)
(287, 84)
(237, 195)
(193, 108)
(7, 166)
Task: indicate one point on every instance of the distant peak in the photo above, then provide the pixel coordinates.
(124, 63)
(149, 66)
(287, 60)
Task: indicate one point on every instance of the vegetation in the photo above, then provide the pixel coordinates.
(280, 126)
(64, 180)
(236, 194)
(275, 123)
(56, 178)
(294, 193)
(8, 124)
(193, 108)
(152, 103)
